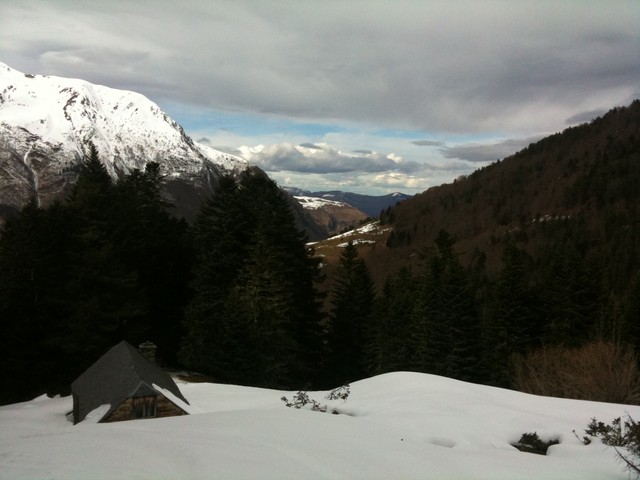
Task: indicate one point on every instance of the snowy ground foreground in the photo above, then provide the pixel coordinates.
(395, 426)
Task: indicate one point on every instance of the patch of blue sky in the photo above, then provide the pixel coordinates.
(247, 124)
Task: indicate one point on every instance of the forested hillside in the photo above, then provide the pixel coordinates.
(538, 251)
(587, 175)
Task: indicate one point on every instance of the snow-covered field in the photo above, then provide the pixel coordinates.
(394, 426)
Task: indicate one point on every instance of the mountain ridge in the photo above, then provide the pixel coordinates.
(47, 122)
(371, 205)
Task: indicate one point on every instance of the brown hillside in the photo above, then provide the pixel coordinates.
(335, 217)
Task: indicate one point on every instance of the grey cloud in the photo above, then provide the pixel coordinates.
(482, 153)
(227, 149)
(428, 143)
(221, 148)
(584, 117)
(433, 66)
(312, 146)
(451, 167)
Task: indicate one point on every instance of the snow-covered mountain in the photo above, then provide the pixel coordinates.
(332, 215)
(47, 122)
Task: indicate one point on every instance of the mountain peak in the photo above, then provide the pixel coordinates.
(127, 128)
(47, 122)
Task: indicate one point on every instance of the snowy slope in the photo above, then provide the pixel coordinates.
(46, 123)
(315, 203)
(394, 426)
(333, 216)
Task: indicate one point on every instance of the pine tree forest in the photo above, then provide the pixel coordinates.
(237, 295)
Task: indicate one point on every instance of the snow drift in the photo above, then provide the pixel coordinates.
(398, 425)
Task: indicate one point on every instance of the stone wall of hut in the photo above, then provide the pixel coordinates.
(164, 408)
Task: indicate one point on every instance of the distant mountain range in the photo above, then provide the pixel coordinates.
(371, 205)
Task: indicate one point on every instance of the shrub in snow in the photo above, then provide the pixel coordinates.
(340, 393)
(531, 443)
(302, 399)
(618, 433)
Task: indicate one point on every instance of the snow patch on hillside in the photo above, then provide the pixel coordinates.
(360, 241)
(371, 228)
(314, 203)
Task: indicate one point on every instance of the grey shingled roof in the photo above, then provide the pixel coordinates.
(120, 373)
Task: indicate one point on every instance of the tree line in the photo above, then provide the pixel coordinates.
(236, 295)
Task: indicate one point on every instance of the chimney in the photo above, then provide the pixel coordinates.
(148, 351)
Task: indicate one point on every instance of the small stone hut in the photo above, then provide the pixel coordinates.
(127, 386)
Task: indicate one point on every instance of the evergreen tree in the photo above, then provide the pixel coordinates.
(263, 301)
(630, 314)
(255, 316)
(221, 233)
(33, 273)
(352, 303)
(297, 269)
(93, 193)
(514, 324)
(572, 296)
(103, 303)
(448, 326)
(390, 346)
(157, 248)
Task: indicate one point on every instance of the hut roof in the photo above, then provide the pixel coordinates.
(120, 373)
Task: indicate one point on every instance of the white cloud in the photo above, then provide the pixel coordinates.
(397, 181)
(319, 166)
(322, 158)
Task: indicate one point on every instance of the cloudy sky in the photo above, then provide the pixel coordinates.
(366, 96)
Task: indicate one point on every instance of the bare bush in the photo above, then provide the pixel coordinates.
(601, 371)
